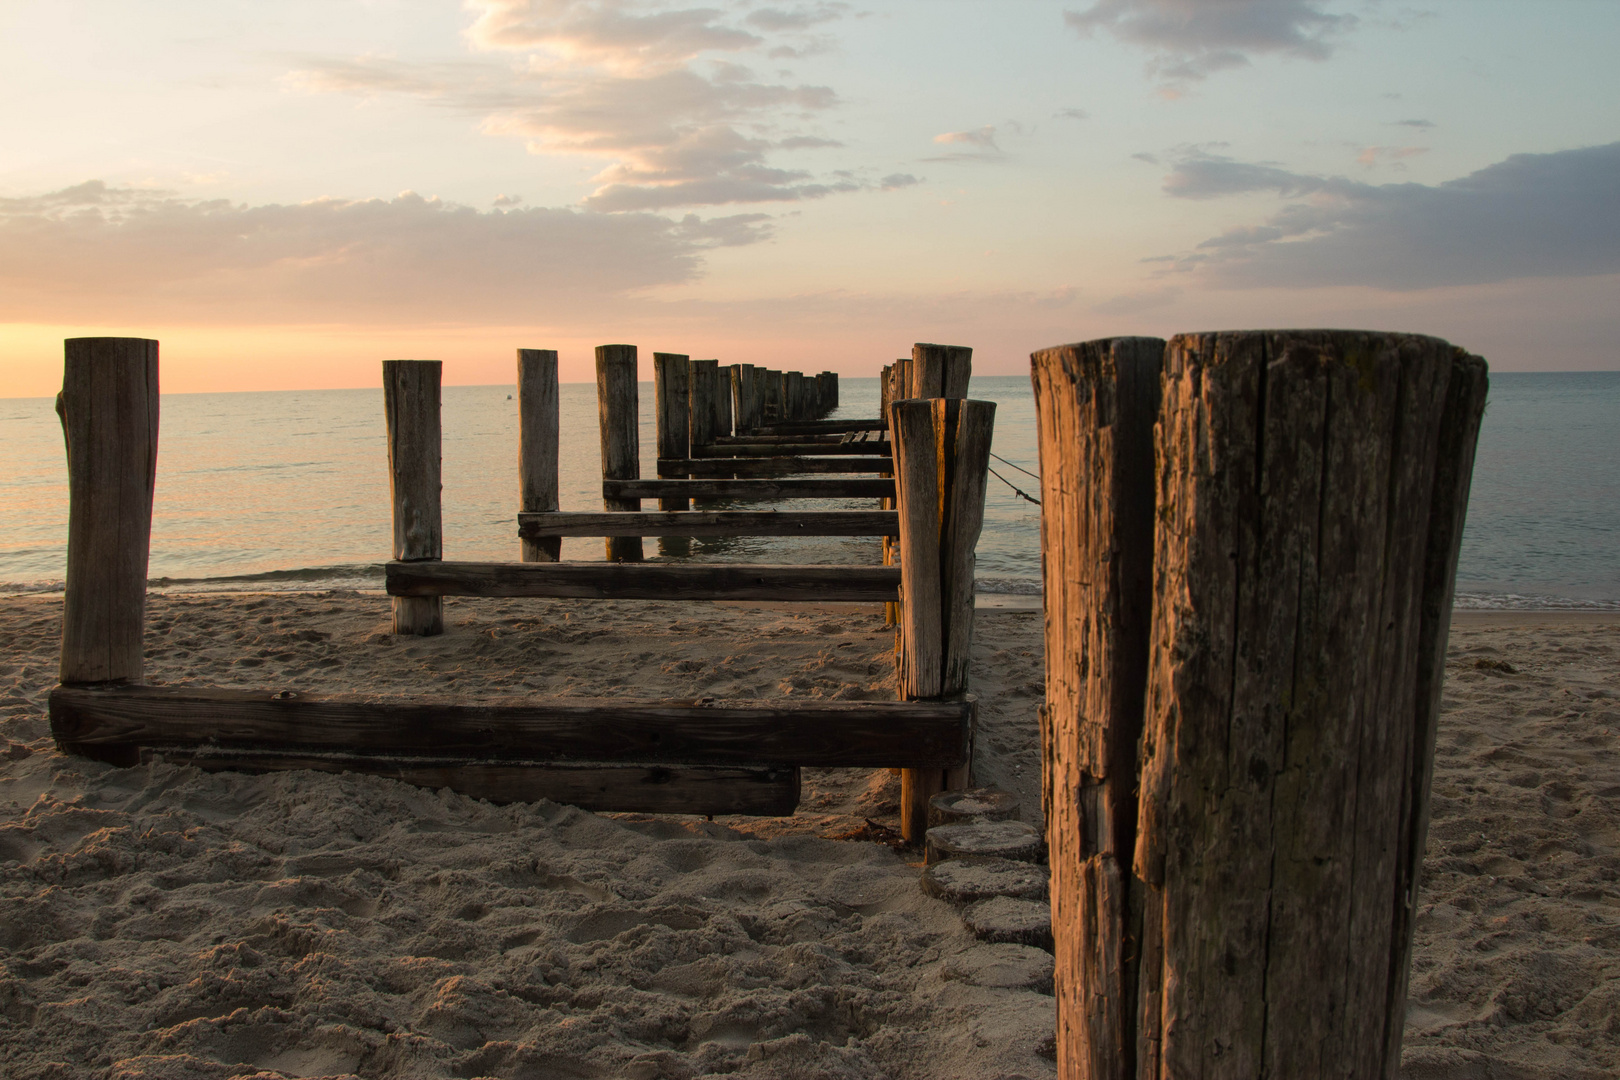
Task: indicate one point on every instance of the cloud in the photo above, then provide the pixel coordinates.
(1528, 216)
(1071, 114)
(898, 180)
(659, 93)
(1421, 124)
(1192, 39)
(97, 253)
(982, 137)
(1376, 155)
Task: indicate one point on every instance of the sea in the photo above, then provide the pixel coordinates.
(288, 490)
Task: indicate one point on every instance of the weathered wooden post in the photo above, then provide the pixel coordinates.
(942, 458)
(672, 393)
(832, 382)
(705, 389)
(722, 401)
(411, 402)
(742, 394)
(940, 371)
(617, 407)
(1096, 404)
(1310, 492)
(794, 394)
(891, 609)
(109, 412)
(537, 446)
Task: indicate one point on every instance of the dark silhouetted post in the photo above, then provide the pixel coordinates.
(537, 445)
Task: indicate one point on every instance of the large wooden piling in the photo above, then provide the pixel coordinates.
(411, 391)
(742, 399)
(1096, 404)
(1251, 913)
(705, 408)
(617, 407)
(109, 412)
(537, 446)
(940, 371)
(722, 403)
(941, 460)
(672, 392)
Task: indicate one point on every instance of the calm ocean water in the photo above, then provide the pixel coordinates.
(290, 490)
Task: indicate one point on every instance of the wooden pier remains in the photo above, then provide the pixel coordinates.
(656, 757)
(1249, 542)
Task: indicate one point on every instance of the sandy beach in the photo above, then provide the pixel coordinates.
(162, 922)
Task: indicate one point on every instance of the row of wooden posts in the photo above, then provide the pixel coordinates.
(1249, 542)
(935, 517)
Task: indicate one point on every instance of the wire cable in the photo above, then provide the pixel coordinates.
(1014, 464)
(1010, 484)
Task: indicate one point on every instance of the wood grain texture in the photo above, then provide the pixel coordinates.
(1095, 407)
(918, 484)
(791, 488)
(1298, 475)
(672, 394)
(411, 403)
(939, 371)
(744, 468)
(965, 446)
(723, 425)
(644, 581)
(109, 412)
(617, 417)
(712, 523)
(705, 376)
(769, 791)
(113, 723)
(537, 446)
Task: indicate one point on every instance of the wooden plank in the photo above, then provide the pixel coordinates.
(712, 523)
(617, 418)
(793, 448)
(537, 446)
(764, 791)
(672, 394)
(743, 468)
(790, 488)
(1095, 406)
(832, 439)
(411, 402)
(644, 581)
(110, 723)
(818, 427)
(109, 413)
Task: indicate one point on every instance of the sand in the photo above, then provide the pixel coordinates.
(163, 922)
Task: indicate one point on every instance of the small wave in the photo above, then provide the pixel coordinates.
(1009, 586)
(12, 588)
(1527, 602)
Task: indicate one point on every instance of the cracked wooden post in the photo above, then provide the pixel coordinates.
(537, 446)
(1095, 406)
(109, 412)
(411, 402)
(672, 394)
(939, 371)
(617, 408)
(942, 455)
(1309, 497)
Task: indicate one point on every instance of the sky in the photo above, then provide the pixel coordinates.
(285, 194)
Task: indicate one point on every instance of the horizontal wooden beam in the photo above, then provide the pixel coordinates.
(113, 722)
(818, 427)
(797, 488)
(831, 438)
(700, 468)
(787, 449)
(644, 581)
(765, 791)
(711, 523)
